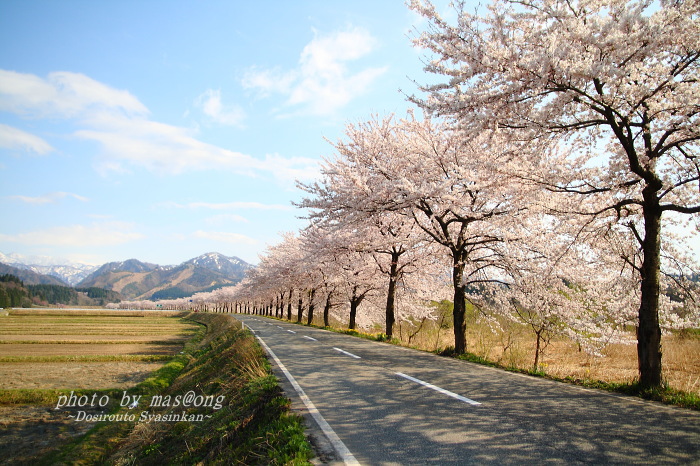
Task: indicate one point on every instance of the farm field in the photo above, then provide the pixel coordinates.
(50, 352)
(72, 350)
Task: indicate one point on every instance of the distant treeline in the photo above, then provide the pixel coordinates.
(177, 292)
(14, 293)
(56, 294)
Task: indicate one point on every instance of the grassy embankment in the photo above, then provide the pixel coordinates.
(253, 425)
(240, 417)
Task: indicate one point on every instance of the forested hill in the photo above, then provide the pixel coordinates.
(14, 293)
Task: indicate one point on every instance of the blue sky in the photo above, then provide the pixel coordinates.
(161, 130)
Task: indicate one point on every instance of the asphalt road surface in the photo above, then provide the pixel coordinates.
(382, 404)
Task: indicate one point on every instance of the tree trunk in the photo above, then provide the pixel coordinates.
(460, 324)
(289, 306)
(538, 346)
(300, 307)
(327, 310)
(649, 331)
(391, 295)
(310, 318)
(353, 313)
(354, 303)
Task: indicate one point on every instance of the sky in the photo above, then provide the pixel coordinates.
(162, 130)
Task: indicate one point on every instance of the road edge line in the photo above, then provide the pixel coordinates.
(345, 455)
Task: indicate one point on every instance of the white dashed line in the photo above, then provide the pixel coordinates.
(438, 389)
(345, 352)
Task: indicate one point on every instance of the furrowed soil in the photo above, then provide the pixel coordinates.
(77, 376)
(71, 349)
(89, 339)
(46, 354)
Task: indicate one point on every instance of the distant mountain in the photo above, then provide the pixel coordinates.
(129, 266)
(139, 280)
(30, 277)
(69, 273)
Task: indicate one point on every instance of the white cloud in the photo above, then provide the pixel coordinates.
(98, 234)
(50, 198)
(15, 139)
(161, 148)
(323, 82)
(294, 169)
(62, 94)
(210, 103)
(119, 123)
(225, 237)
(269, 81)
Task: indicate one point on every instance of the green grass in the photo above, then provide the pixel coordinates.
(105, 437)
(663, 394)
(48, 397)
(367, 336)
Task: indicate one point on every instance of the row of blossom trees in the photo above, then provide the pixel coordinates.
(566, 151)
(612, 87)
(462, 204)
(409, 208)
(548, 183)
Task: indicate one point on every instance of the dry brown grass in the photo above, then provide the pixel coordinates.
(247, 359)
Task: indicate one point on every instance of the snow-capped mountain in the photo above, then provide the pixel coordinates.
(220, 263)
(66, 271)
(135, 279)
(139, 280)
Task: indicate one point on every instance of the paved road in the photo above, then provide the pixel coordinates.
(391, 405)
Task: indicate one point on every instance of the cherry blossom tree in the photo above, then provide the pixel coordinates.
(564, 288)
(269, 286)
(390, 239)
(354, 271)
(616, 81)
(444, 183)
